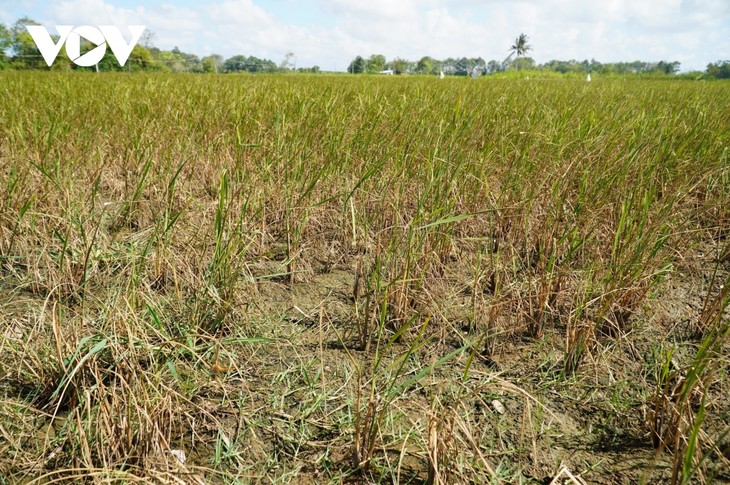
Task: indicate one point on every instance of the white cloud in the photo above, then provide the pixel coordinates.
(172, 26)
(79, 12)
(376, 9)
(241, 13)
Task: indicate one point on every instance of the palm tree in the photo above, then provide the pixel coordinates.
(520, 46)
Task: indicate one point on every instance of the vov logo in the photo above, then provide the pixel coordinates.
(101, 37)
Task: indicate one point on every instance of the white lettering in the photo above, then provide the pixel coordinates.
(114, 38)
(45, 44)
(101, 37)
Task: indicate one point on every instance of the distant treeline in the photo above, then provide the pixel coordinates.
(18, 51)
(465, 66)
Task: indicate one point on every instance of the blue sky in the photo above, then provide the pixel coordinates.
(329, 33)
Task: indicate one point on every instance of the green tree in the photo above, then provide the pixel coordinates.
(177, 60)
(719, 69)
(235, 64)
(462, 66)
(668, 67)
(449, 65)
(171, 60)
(141, 60)
(493, 67)
(23, 50)
(241, 63)
(520, 47)
(427, 65)
(62, 62)
(523, 63)
(375, 63)
(4, 46)
(357, 66)
(212, 63)
(399, 65)
(108, 63)
(254, 64)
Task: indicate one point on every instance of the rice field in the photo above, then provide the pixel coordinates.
(328, 279)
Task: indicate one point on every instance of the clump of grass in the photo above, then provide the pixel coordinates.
(680, 402)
